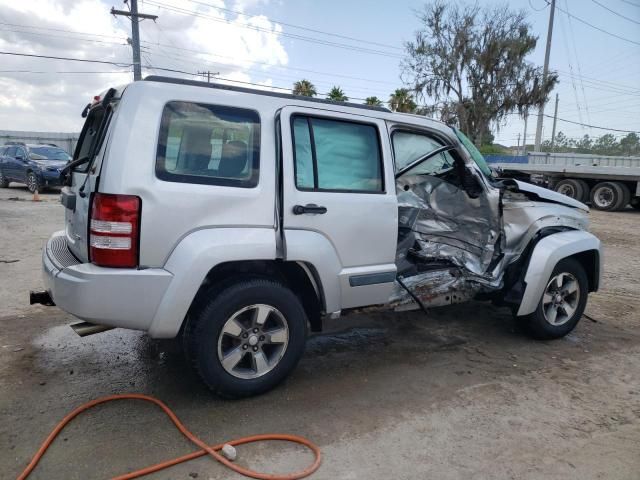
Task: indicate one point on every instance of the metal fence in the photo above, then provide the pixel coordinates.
(66, 141)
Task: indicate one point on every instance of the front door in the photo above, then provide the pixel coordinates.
(339, 207)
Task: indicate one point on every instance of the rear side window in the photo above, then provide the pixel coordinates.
(209, 144)
(335, 155)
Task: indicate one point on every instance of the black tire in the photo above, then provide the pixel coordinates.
(635, 203)
(538, 324)
(606, 196)
(4, 183)
(204, 333)
(625, 195)
(574, 188)
(33, 184)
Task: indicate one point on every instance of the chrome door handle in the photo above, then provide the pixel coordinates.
(309, 208)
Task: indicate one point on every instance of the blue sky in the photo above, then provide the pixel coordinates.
(599, 74)
(575, 48)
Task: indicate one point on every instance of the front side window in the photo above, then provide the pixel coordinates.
(337, 155)
(410, 146)
(208, 144)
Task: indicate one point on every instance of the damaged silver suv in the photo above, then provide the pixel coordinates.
(239, 218)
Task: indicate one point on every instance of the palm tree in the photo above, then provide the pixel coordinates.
(373, 101)
(337, 95)
(402, 101)
(304, 88)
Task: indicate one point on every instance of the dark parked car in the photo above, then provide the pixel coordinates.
(36, 165)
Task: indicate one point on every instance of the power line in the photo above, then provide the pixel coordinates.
(593, 126)
(616, 13)
(64, 71)
(631, 3)
(302, 28)
(318, 41)
(598, 28)
(62, 36)
(61, 30)
(70, 59)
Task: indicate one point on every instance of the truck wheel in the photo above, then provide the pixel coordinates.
(606, 196)
(635, 203)
(4, 183)
(625, 195)
(562, 303)
(33, 183)
(573, 188)
(245, 339)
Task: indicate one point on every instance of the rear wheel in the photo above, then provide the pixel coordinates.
(606, 196)
(562, 303)
(573, 188)
(245, 339)
(635, 203)
(4, 183)
(625, 195)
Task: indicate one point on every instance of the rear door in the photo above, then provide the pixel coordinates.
(77, 196)
(338, 183)
(9, 163)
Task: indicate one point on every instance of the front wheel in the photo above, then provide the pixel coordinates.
(562, 303)
(33, 184)
(245, 339)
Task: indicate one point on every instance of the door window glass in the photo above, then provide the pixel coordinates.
(409, 147)
(208, 144)
(11, 152)
(344, 156)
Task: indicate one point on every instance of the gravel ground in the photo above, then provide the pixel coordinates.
(462, 393)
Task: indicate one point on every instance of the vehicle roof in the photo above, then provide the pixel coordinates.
(346, 107)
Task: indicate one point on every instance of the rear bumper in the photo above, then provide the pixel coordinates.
(116, 297)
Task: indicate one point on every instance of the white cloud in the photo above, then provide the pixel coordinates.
(212, 40)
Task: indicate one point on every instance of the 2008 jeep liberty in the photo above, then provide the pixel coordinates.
(239, 218)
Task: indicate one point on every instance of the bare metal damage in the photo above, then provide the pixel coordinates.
(452, 247)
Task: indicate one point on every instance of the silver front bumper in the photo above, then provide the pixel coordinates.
(117, 297)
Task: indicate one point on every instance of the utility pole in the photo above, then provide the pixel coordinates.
(134, 16)
(553, 130)
(209, 74)
(524, 135)
(545, 72)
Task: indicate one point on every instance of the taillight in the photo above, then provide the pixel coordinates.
(114, 230)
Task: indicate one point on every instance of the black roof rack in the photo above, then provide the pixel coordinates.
(15, 143)
(255, 91)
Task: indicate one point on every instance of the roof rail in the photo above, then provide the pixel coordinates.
(16, 143)
(255, 91)
(48, 144)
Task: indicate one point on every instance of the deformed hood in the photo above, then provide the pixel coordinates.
(548, 195)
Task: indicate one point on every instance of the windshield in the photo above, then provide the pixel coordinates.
(473, 152)
(49, 153)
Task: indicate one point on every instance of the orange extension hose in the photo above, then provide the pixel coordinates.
(205, 449)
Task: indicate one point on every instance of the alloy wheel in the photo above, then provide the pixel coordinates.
(32, 182)
(561, 298)
(253, 341)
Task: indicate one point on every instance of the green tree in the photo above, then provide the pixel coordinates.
(473, 60)
(304, 88)
(606, 145)
(630, 145)
(337, 95)
(402, 101)
(373, 101)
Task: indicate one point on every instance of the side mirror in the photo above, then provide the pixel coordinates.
(20, 157)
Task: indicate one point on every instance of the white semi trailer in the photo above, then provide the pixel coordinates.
(608, 183)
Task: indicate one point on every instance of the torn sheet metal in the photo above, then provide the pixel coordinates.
(434, 288)
(441, 225)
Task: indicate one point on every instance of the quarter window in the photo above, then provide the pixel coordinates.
(208, 144)
(335, 155)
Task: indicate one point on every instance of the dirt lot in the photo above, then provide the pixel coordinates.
(462, 393)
